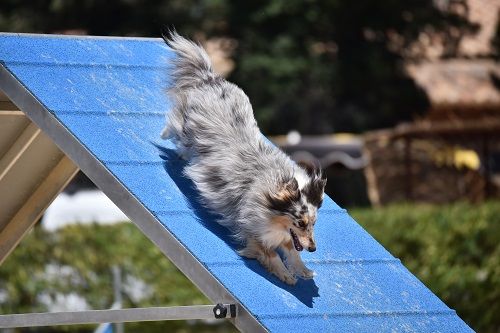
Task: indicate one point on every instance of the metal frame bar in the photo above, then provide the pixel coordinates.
(115, 316)
(119, 194)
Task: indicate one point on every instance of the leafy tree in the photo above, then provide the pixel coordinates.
(115, 17)
(317, 65)
(332, 65)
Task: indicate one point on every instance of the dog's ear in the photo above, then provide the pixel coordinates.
(312, 169)
(315, 189)
(322, 181)
(284, 196)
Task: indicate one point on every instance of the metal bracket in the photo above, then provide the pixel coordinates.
(118, 315)
(220, 310)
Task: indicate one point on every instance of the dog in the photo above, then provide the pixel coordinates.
(267, 201)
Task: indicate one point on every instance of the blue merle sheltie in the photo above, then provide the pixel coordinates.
(268, 201)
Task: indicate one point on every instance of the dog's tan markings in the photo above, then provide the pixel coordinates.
(282, 220)
(270, 253)
(294, 263)
(288, 245)
(269, 259)
(306, 218)
(283, 198)
(255, 250)
(285, 194)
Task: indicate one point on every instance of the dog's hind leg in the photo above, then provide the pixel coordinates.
(166, 133)
(294, 262)
(184, 152)
(269, 259)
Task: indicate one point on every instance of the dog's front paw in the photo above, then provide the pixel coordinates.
(288, 278)
(301, 271)
(285, 276)
(305, 273)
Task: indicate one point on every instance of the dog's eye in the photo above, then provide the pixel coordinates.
(302, 224)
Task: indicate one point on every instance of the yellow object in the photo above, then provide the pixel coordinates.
(466, 158)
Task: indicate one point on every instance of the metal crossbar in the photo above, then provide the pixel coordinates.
(219, 311)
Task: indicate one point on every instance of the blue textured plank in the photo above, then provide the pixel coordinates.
(104, 85)
(133, 136)
(371, 323)
(67, 51)
(338, 287)
(109, 93)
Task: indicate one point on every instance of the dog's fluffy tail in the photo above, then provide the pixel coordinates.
(192, 65)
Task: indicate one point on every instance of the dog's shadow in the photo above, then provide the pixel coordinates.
(305, 290)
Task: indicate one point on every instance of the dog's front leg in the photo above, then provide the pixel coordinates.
(294, 262)
(269, 259)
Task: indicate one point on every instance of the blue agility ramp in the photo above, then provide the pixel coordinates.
(103, 102)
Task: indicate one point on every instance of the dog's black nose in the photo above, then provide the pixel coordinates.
(311, 248)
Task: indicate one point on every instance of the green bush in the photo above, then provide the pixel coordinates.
(78, 259)
(453, 249)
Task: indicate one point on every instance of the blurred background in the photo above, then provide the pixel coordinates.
(399, 101)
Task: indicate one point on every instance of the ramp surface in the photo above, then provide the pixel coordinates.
(102, 101)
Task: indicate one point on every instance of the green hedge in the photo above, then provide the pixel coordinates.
(82, 257)
(454, 249)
